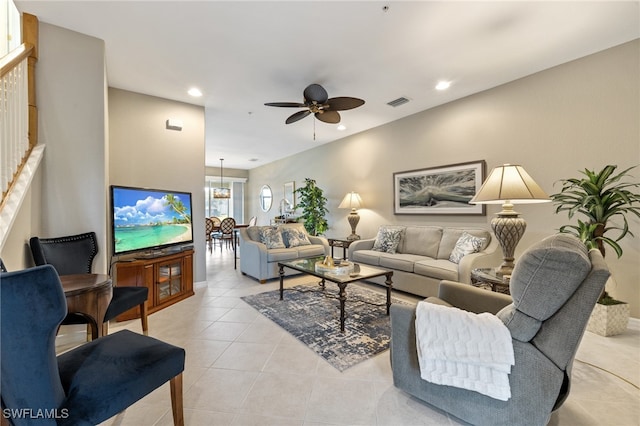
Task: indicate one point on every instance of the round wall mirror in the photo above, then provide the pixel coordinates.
(266, 198)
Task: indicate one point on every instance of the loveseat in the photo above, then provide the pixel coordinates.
(262, 247)
(422, 256)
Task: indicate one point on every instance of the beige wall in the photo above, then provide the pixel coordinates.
(237, 173)
(583, 114)
(69, 194)
(144, 153)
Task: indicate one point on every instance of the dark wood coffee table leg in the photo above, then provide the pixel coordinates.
(281, 271)
(343, 299)
(389, 284)
(235, 249)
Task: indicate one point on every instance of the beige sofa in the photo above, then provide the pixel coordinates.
(422, 257)
(261, 262)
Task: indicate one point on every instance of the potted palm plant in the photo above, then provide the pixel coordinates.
(602, 197)
(313, 205)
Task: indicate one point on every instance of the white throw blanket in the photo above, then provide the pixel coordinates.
(463, 349)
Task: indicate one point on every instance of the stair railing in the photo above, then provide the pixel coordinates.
(18, 115)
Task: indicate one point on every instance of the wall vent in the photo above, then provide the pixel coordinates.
(397, 102)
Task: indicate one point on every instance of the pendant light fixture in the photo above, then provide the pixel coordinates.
(221, 192)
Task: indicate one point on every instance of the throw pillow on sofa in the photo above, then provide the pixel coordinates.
(466, 244)
(271, 237)
(295, 237)
(388, 239)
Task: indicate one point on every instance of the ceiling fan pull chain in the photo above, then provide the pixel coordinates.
(314, 130)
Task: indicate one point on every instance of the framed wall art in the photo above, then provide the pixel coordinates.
(439, 190)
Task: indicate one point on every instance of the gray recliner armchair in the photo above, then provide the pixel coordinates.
(554, 286)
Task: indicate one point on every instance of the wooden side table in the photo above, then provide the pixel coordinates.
(335, 242)
(487, 278)
(89, 295)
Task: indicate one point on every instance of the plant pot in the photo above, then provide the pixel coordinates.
(609, 320)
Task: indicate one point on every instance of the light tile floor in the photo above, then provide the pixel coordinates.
(242, 369)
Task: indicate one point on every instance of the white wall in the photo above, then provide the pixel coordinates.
(583, 114)
(144, 153)
(70, 192)
(71, 98)
(16, 253)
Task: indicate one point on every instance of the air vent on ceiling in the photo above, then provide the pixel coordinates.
(397, 102)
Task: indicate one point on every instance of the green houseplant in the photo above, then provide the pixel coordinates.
(313, 205)
(602, 197)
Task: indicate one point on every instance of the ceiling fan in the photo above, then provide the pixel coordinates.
(317, 101)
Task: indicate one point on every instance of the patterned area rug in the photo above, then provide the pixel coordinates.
(313, 317)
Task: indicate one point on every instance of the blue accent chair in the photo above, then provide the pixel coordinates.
(86, 385)
(74, 254)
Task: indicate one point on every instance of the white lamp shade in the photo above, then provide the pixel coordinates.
(509, 183)
(351, 201)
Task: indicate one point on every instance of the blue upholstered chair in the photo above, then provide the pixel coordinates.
(84, 386)
(74, 254)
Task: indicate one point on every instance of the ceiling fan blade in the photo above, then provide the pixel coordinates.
(297, 116)
(331, 117)
(286, 104)
(315, 92)
(344, 103)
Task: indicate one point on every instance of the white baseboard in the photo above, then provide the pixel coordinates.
(634, 323)
(199, 284)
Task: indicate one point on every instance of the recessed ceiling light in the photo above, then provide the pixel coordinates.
(195, 92)
(443, 85)
(342, 127)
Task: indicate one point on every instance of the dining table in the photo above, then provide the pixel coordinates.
(89, 295)
(234, 240)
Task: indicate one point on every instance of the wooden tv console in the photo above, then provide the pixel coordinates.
(169, 278)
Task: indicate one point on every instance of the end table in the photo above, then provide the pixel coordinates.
(335, 242)
(487, 278)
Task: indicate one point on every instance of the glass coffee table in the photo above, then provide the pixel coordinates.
(307, 266)
(481, 277)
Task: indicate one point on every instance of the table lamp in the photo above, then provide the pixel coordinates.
(505, 185)
(352, 201)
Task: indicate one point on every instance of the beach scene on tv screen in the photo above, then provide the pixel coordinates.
(146, 219)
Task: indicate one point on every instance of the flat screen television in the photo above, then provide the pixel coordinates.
(149, 219)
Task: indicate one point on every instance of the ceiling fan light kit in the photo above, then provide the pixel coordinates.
(317, 102)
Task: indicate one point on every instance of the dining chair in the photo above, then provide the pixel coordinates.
(216, 227)
(74, 254)
(216, 221)
(227, 232)
(86, 385)
(209, 228)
